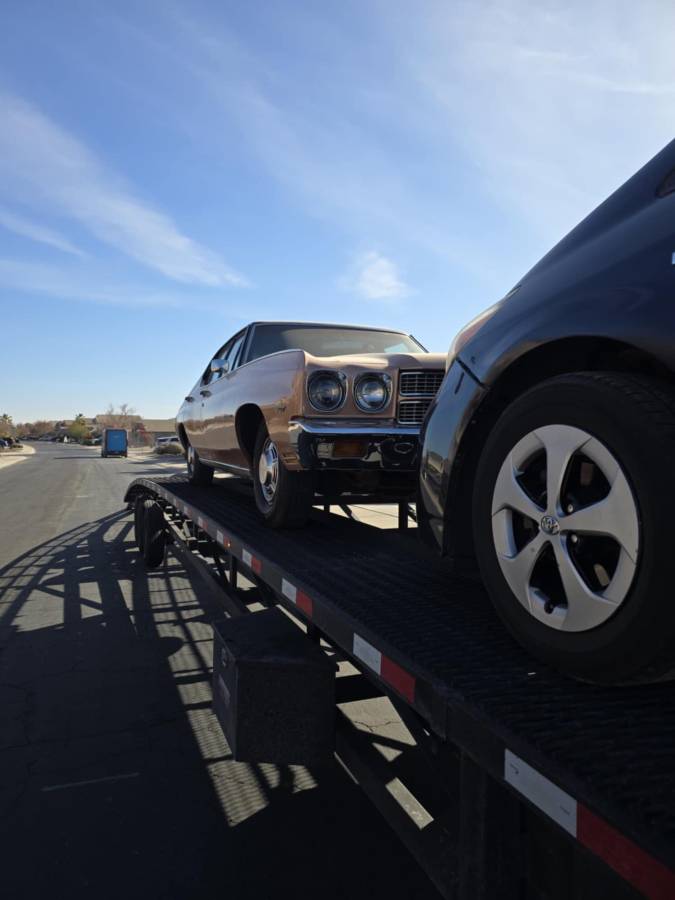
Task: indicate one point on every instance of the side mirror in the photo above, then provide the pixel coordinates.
(221, 366)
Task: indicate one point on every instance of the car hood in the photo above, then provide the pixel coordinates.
(379, 361)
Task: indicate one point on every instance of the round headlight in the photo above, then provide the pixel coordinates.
(371, 392)
(326, 391)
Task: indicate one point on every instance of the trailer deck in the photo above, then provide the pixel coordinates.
(597, 762)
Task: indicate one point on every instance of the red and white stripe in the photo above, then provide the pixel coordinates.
(654, 880)
(298, 597)
(251, 561)
(395, 676)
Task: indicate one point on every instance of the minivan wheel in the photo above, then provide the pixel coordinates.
(572, 514)
(197, 472)
(284, 498)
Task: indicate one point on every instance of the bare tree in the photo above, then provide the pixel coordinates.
(6, 425)
(124, 416)
(37, 429)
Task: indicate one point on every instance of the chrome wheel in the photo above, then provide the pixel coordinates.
(268, 470)
(565, 528)
(191, 460)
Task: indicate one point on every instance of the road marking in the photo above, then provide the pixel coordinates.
(73, 784)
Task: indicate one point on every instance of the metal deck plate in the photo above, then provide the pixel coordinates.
(612, 748)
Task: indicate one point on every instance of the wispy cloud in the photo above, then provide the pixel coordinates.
(375, 277)
(101, 286)
(331, 158)
(55, 168)
(35, 232)
(555, 103)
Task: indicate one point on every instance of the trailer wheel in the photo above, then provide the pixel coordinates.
(573, 504)
(139, 522)
(154, 534)
(284, 498)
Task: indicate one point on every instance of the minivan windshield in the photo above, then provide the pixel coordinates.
(328, 340)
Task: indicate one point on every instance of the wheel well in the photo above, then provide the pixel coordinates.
(555, 358)
(247, 422)
(182, 437)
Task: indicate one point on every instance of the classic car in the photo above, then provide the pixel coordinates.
(312, 413)
(554, 432)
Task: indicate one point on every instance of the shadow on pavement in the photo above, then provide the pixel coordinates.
(115, 780)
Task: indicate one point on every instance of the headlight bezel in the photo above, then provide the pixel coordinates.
(385, 380)
(341, 380)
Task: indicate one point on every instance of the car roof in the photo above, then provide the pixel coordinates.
(327, 325)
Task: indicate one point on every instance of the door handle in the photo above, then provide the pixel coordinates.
(205, 393)
(190, 399)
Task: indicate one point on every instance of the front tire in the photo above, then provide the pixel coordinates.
(197, 472)
(572, 519)
(284, 498)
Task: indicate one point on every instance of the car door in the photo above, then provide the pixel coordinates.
(218, 406)
(194, 423)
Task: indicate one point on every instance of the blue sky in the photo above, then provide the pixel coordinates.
(170, 171)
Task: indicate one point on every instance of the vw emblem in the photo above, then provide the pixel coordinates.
(549, 525)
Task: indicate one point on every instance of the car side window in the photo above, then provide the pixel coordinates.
(229, 352)
(233, 351)
(209, 377)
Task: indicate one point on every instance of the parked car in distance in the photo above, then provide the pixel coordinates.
(311, 411)
(163, 441)
(114, 442)
(554, 434)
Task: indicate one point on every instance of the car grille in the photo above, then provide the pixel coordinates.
(420, 384)
(416, 390)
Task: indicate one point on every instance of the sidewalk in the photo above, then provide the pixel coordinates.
(7, 457)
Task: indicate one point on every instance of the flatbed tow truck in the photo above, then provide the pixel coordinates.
(517, 782)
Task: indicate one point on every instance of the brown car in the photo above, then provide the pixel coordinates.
(312, 413)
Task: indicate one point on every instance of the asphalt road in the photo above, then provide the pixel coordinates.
(115, 780)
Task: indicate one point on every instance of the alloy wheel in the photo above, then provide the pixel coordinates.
(565, 527)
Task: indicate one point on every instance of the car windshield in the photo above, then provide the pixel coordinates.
(328, 340)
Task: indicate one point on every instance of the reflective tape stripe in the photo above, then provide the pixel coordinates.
(305, 603)
(222, 539)
(647, 874)
(398, 678)
(251, 561)
(289, 590)
(299, 598)
(368, 654)
(654, 880)
(545, 795)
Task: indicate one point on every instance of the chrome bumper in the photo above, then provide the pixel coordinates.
(347, 427)
(387, 445)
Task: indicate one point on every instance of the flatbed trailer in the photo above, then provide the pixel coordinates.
(525, 784)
